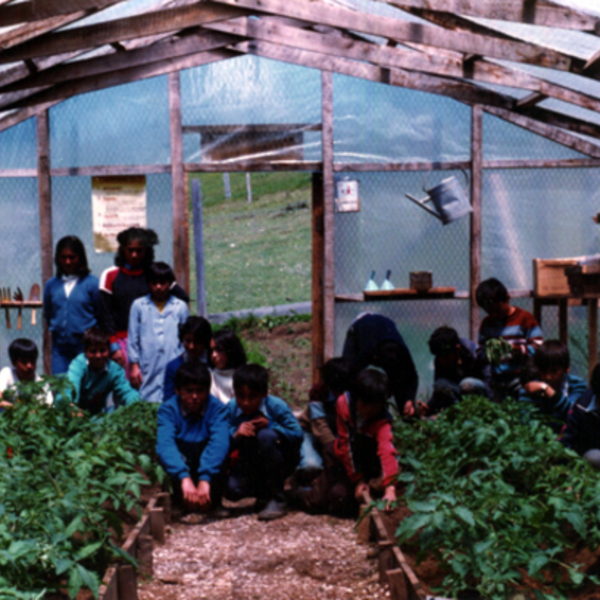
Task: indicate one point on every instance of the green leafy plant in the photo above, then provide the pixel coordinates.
(63, 481)
(497, 350)
(493, 496)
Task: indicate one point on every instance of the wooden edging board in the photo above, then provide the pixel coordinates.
(393, 568)
(120, 581)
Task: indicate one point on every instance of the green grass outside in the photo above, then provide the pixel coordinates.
(259, 253)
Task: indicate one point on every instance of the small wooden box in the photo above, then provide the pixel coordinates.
(549, 277)
(421, 281)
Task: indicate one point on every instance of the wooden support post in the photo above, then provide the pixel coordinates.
(563, 321)
(199, 248)
(328, 214)
(397, 582)
(157, 524)
(227, 186)
(387, 560)
(475, 233)
(363, 529)
(180, 241)
(317, 276)
(127, 583)
(164, 499)
(537, 310)
(248, 188)
(145, 559)
(45, 208)
(592, 333)
(109, 589)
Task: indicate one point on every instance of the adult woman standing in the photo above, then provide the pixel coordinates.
(70, 302)
(122, 284)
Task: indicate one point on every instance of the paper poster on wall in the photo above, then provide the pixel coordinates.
(347, 197)
(117, 203)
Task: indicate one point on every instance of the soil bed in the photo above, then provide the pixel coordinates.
(299, 557)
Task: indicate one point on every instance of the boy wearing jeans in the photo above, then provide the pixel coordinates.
(265, 442)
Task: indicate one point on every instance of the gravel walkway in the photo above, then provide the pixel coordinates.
(299, 557)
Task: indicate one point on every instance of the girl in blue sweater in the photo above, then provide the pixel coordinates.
(70, 302)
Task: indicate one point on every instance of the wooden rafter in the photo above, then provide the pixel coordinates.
(148, 24)
(27, 12)
(90, 84)
(318, 12)
(520, 11)
(167, 49)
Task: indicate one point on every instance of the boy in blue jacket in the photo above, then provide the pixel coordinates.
(193, 439)
(265, 442)
(554, 391)
(94, 376)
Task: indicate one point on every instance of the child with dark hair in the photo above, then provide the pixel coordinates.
(364, 444)
(70, 302)
(373, 339)
(265, 442)
(226, 355)
(124, 283)
(195, 335)
(153, 339)
(193, 439)
(581, 432)
(512, 324)
(23, 354)
(553, 390)
(457, 371)
(318, 419)
(94, 376)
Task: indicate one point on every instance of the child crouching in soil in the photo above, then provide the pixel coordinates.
(265, 442)
(365, 457)
(193, 439)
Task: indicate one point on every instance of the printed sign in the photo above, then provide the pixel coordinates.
(346, 197)
(117, 204)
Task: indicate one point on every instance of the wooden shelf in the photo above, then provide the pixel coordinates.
(24, 304)
(435, 293)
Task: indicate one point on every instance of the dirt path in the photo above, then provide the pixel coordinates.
(299, 557)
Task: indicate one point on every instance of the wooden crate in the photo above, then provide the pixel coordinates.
(549, 277)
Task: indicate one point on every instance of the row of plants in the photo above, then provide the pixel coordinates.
(65, 481)
(498, 501)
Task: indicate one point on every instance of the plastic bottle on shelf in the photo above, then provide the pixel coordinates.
(371, 285)
(387, 284)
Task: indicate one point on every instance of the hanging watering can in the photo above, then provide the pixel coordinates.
(448, 197)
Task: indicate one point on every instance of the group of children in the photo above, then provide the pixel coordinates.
(129, 336)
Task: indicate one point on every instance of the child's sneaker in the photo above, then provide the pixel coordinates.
(275, 509)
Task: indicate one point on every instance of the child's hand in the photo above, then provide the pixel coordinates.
(246, 430)
(389, 496)
(539, 387)
(188, 489)
(136, 375)
(409, 409)
(119, 357)
(5, 404)
(360, 489)
(203, 494)
(260, 423)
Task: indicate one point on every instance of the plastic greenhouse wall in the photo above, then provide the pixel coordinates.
(526, 213)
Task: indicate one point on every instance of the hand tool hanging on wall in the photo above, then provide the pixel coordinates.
(34, 295)
(18, 297)
(5, 295)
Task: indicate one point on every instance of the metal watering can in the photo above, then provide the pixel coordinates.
(449, 198)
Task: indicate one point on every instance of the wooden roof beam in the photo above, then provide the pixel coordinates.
(548, 131)
(165, 50)
(533, 12)
(147, 24)
(563, 121)
(531, 100)
(27, 12)
(112, 78)
(461, 91)
(317, 12)
(445, 63)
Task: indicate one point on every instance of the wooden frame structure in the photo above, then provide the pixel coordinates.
(446, 50)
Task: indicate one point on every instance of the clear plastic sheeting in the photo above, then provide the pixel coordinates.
(280, 103)
(18, 146)
(536, 213)
(123, 125)
(502, 140)
(390, 232)
(21, 261)
(374, 122)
